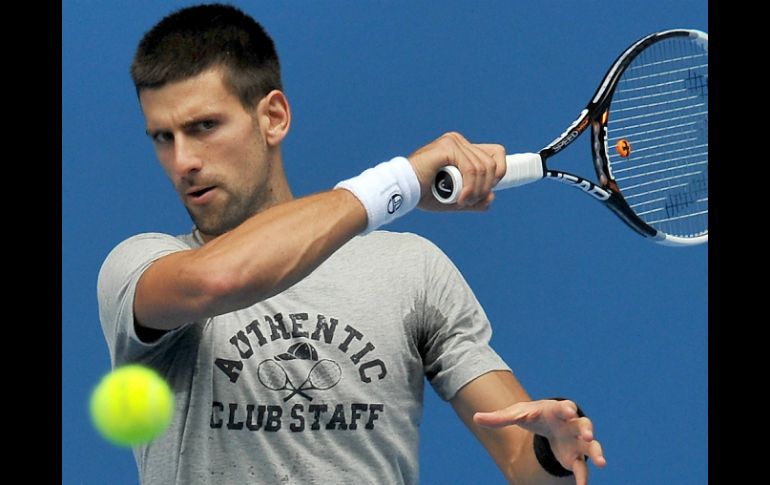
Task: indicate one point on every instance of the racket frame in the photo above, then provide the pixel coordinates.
(596, 115)
(524, 168)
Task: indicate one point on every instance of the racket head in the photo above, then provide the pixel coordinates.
(649, 122)
(324, 375)
(272, 375)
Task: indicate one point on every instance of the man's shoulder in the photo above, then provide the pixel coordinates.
(407, 240)
(137, 249)
(389, 247)
(395, 243)
(144, 239)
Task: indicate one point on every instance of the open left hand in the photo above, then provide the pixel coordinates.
(571, 437)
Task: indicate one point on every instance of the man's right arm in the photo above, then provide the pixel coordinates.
(265, 255)
(276, 248)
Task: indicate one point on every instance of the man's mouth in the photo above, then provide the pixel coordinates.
(199, 192)
(199, 195)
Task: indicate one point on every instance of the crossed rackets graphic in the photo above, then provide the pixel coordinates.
(324, 375)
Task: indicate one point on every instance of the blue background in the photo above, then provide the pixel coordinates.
(580, 305)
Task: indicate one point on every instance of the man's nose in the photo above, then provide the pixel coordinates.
(186, 158)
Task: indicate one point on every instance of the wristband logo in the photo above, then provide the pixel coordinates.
(394, 203)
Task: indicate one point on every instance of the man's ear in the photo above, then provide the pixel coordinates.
(274, 117)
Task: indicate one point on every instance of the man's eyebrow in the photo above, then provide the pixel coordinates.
(195, 120)
(153, 133)
(191, 122)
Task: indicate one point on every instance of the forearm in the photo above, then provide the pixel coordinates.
(276, 248)
(265, 255)
(511, 447)
(512, 450)
(523, 468)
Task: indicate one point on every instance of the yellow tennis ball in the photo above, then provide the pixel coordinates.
(131, 405)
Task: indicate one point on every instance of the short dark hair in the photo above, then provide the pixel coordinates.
(194, 39)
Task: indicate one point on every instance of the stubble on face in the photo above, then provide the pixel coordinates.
(214, 152)
(236, 209)
(243, 195)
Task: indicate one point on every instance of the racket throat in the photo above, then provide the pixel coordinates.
(586, 186)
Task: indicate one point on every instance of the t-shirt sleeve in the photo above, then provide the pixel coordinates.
(455, 341)
(116, 286)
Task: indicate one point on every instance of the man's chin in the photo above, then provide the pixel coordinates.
(217, 224)
(206, 226)
(213, 228)
(209, 229)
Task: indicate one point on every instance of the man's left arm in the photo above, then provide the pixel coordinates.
(500, 413)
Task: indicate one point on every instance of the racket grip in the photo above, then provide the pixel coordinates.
(521, 169)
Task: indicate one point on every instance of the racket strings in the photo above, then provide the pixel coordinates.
(272, 376)
(639, 66)
(664, 112)
(677, 72)
(324, 375)
(662, 100)
(660, 108)
(661, 135)
(648, 166)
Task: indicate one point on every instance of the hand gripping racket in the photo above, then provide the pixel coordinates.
(649, 139)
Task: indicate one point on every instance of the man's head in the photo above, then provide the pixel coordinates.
(195, 39)
(209, 85)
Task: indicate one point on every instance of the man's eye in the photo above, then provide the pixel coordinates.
(207, 125)
(162, 137)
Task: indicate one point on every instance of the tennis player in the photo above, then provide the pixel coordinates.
(296, 336)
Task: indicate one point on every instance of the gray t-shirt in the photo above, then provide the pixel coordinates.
(322, 383)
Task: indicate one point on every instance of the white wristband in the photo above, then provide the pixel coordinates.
(387, 191)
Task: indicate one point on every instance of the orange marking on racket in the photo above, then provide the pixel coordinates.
(623, 148)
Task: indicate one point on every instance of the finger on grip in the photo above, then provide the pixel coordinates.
(521, 168)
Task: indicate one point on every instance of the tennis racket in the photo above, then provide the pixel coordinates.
(649, 140)
(324, 375)
(274, 377)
